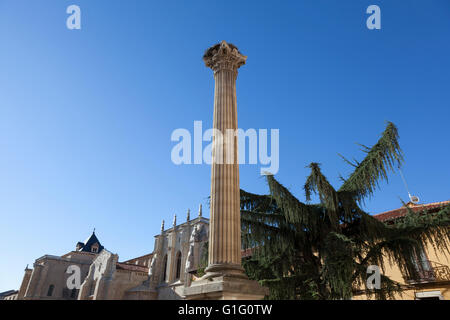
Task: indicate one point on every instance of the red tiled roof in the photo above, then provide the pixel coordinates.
(131, 267)
(149, 255)
(401, 212)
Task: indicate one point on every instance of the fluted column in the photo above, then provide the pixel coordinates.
(225, 224)
(225, 278)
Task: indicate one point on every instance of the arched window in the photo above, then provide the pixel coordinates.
(164, 277)
(178, 273)
(50, 290)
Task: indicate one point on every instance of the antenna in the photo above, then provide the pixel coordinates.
(413, 199)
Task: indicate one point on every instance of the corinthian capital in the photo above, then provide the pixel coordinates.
(224, 56)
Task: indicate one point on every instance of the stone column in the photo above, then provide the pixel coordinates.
(224, 277)
(225, 224)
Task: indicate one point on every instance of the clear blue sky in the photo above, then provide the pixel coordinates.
(86, 116)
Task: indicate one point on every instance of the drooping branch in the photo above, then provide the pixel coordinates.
(294, 210)
(383, 157)
(318, 183)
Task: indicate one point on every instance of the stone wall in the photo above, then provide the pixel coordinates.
(51, 272)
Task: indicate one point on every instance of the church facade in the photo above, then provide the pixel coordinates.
(162, 274)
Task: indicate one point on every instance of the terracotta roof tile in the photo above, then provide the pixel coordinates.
(131, 267)
(401, 212)
(145, 256)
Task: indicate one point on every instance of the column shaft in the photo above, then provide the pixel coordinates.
(225, 239)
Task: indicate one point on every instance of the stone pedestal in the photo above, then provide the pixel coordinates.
(225, 288)
(225, 278)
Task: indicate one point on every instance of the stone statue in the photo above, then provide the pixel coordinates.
(199, 234)
(151, 270)
(190, 258)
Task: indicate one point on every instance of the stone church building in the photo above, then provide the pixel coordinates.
(162, 274)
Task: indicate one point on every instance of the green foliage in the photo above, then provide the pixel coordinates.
(203, 261)
(322, 251)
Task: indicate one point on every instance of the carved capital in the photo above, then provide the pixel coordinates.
(224, 56)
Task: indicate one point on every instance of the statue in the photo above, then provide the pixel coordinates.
(199, 234)
(190, 259)
(151, 270)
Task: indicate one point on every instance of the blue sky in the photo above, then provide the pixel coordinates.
(86, 115)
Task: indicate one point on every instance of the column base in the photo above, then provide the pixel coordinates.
(225, 288)
(225, 269)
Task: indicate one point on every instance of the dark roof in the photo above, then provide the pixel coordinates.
(86, 246)
(7, 293)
